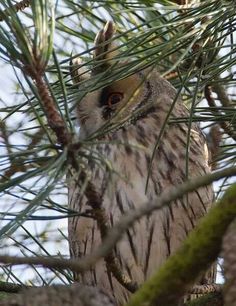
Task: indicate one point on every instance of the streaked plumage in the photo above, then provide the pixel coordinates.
(147, 245)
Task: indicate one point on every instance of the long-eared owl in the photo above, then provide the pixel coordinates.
(124, 121)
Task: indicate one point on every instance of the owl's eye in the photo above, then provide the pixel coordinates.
(114, 98)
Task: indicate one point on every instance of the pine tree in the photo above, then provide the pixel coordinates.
(193, 47)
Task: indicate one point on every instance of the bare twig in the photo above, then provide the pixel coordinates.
(182, 2)
(36, 138)
(13, 169)
(49, 262)
(16, 164)
(222, 95)
(5, 135)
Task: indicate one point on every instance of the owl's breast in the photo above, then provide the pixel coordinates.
(130, 157)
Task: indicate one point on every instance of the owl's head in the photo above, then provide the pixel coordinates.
(121, 102)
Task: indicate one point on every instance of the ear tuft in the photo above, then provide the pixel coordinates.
(78, 71)
(102, 43)
(109, 30)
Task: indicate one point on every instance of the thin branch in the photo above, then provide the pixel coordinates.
(222, 95)
(48, 262)
(5, 136)
(13, 169)
(16, 164)
(211, 102)
(183, 2)
(55, 121)
(116, 232)
(36, 138)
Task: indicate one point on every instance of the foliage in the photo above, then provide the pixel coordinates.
(193, 47)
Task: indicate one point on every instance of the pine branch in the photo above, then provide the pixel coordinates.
(55, 121)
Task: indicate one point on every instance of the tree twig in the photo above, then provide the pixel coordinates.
(55, 121)
(222, 95)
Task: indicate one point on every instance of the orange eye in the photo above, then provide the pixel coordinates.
(114, 98)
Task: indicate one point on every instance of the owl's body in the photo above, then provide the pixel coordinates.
(128, 149)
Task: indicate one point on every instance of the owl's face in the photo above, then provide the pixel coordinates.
(114, 103)
(110, 105)
(119, 103)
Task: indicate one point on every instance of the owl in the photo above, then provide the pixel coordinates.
(124, 121)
